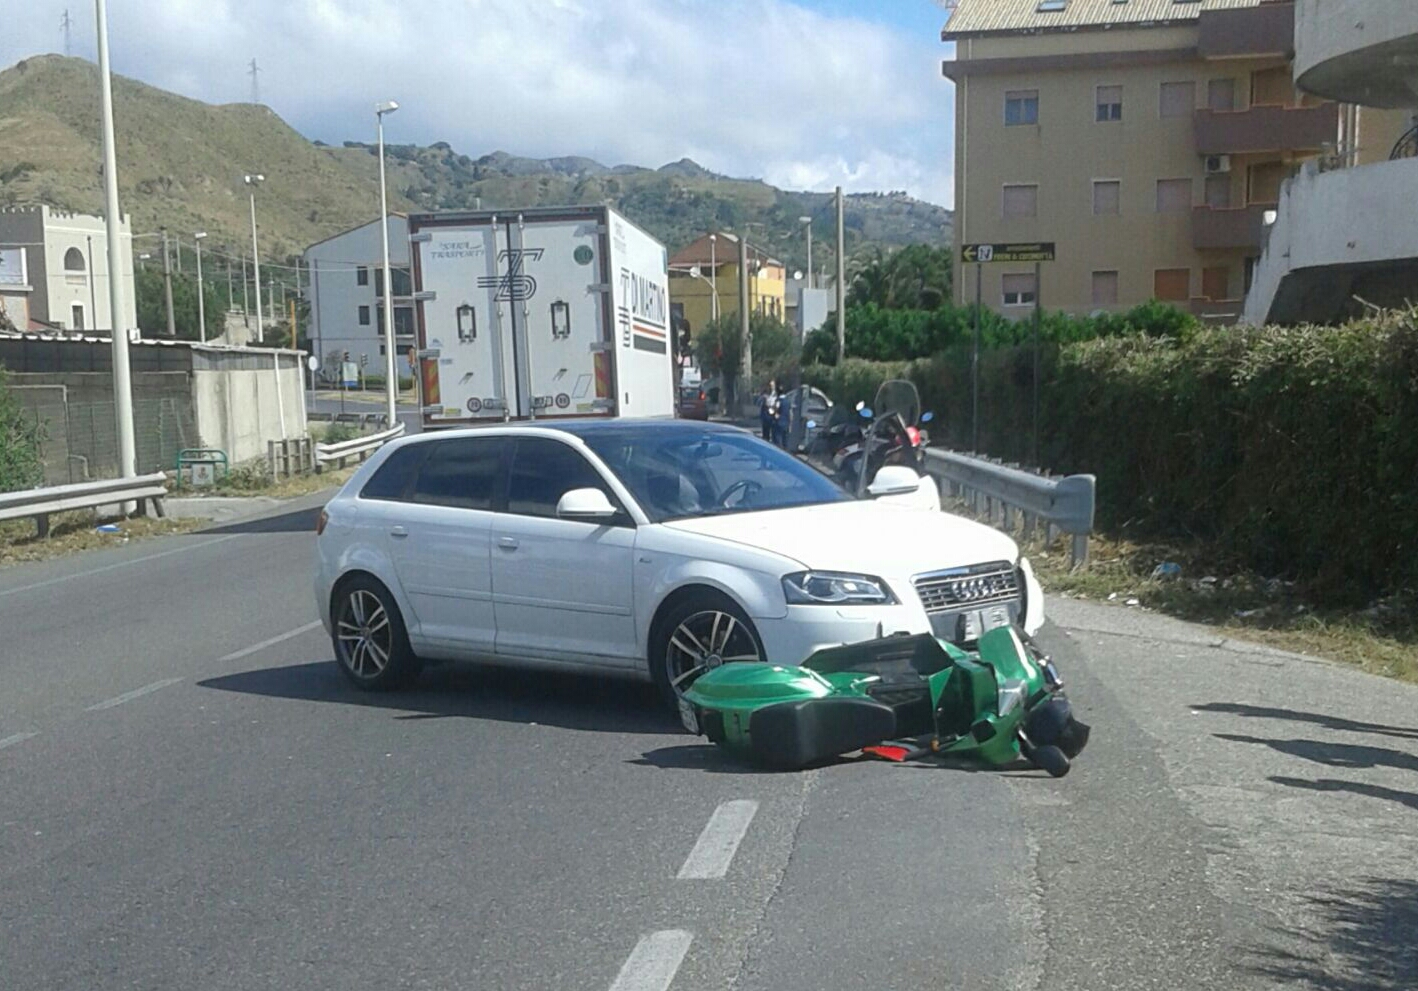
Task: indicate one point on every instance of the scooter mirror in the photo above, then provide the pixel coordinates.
(812, 424)
(860, 405)
(865, 411)
(927, 417)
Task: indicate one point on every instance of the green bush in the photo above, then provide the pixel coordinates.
(20, 435)
(1295, 449)
(338, 433)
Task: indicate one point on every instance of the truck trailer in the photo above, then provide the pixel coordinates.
(538, 314)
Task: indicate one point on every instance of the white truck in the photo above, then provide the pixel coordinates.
(540, 313)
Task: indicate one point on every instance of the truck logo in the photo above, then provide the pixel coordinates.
(515, 285)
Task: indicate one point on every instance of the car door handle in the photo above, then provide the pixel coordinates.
(507, 543)
(398, 531)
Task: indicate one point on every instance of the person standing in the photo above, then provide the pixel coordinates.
(767, 410)
(783, 420)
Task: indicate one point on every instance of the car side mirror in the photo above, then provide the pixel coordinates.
(585, 504)
(894, 480)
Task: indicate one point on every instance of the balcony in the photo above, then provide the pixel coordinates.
(1358, 51)
(1243, 227)
(1265, 129)
(1248, 32)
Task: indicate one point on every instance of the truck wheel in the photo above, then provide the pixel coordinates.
(699, 634)
(371, 644)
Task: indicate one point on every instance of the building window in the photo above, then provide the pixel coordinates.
(1105, 288)
(1221, 95)
(1021, 106)
(1172, 284)
(362, 275)
(1216, 283)
(1019, 289)
(1178, 99)
(400, 282)
(1218, 192)
(76, 314)
(73, 260)
(1107, 197)
(403, 319)
(364, 316)
(1174, 195)
(1021, 202)
(1109, 103)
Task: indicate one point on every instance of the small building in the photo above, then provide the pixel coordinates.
(347, 296)
(54, 271)
(709, 267)
(808, 308)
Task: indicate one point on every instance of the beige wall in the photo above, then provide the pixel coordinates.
(1068, 149)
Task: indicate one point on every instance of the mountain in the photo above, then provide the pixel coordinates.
(181, 164)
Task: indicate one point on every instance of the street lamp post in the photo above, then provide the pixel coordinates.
(714, 272)
(253, 181)
(696, 272)
(201, 291)
(391, 379)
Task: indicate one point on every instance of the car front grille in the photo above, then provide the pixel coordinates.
(968, 588)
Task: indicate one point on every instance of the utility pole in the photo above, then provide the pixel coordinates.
(201, 289)
(271, 300)
(66, 24)
(807, 222)
(245, 302)
(167, 286)
(122, 379)
(391, 375)
(295, 307)
(230, 295)
(841, 282)
(255, 83)
(745, 328)
(253, 181)
(93, 282)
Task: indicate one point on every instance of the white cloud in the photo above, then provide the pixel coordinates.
(747, 87)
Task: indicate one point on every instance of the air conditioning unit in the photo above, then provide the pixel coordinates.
(1218, 164)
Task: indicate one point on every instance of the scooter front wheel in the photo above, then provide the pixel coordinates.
(1048, 758)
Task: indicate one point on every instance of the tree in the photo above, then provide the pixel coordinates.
(918, 277)
(719, 348)
(152, 306)
(20, 464)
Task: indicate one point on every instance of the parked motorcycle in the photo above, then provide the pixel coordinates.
(890, 432)
(898, 698)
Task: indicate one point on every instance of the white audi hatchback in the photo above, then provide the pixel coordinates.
(647, 549)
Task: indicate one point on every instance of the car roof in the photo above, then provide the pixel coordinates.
(586, 428)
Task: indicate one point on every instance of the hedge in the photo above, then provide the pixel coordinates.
(1296, 450)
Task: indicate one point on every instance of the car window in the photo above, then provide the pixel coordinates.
(545, 470)
(391, 479)
(461, 472)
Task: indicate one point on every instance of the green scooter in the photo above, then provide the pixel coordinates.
(900, 698)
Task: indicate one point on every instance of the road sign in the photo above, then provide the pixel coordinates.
(1038, 251)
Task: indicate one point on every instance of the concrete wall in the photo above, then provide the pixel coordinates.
(242, 401)
(1335, 224)
(336, 295)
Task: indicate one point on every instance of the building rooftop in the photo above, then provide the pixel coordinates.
(978, 17)
(725, 252)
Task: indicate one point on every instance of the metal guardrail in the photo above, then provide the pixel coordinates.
(40, 503)
(360, 447)
(998, 491)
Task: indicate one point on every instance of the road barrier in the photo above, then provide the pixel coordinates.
(40, 503)
(361, 447)
(291, 456)
(998, 491)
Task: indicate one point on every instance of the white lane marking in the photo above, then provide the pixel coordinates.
(135, 693)
(10, 741)
(121, 564)
(290, 635)
(654, 961)
(711, 856)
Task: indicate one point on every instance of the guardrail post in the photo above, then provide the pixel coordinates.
(41, 526)
(1078, 553)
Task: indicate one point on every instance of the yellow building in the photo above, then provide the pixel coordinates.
(710, 266)
(1147, 139)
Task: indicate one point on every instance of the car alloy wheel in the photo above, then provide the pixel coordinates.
(365, 635)
(703, 641)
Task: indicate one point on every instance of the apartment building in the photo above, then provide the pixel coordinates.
(1148, 139)
(347, 295)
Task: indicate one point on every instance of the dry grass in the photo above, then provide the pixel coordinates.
(1381, 639)
(71, 533)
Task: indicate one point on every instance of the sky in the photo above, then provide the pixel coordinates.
(805, 94)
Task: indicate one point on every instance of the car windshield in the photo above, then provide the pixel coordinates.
(679, 474)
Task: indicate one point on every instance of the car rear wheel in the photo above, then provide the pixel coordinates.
(701, 633)
(371, 644)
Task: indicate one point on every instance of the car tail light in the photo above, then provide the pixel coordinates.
(320, 522)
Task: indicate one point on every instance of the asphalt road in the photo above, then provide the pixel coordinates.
(191, 797)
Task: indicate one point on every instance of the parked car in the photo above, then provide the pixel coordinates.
(693, 403)
(644, 548)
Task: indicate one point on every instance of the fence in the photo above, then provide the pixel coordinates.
(79, 441)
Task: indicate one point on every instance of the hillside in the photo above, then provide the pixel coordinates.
(181, 163)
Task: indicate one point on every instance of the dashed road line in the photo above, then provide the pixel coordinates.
(654, 961)
(185, 549)
(720, 840)
(135, 693)
(289, 635)
(10, 741)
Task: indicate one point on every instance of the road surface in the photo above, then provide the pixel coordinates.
(193, 798)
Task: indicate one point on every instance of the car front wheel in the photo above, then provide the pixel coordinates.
(701, 633)
(371, 644)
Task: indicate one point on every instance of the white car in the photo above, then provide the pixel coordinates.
(647, 549)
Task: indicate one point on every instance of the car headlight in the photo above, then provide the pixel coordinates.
(831, 588)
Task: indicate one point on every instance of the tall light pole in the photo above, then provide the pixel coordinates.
(714, 271)
(841, 281)
(122, 378)
(807, 222)
(391, 379)
(201, 290)
(252, 181)
(697, 273)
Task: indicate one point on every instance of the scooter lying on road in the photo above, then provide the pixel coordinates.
(898, 698)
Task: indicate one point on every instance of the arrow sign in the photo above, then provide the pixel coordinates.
(1038, 251)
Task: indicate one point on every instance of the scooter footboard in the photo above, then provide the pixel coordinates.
(793, 735)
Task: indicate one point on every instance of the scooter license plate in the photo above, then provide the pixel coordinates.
(977, 622)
